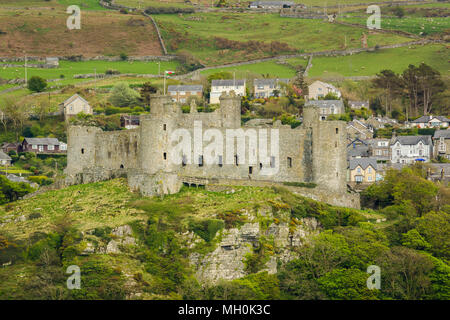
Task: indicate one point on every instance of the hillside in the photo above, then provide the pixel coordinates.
(42, 31)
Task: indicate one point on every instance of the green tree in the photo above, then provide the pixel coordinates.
(123, 96)
(37, 84)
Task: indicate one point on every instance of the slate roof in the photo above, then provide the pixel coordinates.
(227, 83)
(42, 141)
(358, 151)
(442, 133)
(271, 3)
(425, 119)
(265, 82)
(188, 87)
(76, 95)
(325, 103)
(363, 163)
(412, 140)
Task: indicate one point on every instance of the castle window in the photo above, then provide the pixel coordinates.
(220, 161)
(200, 161)
(260, 166)
(337, 130)
(236, 160)
(164, 127)
(289, 162)
(82, 151)
(250, 170)
(183, 161)
(121, 166)
(165, 156)
(272, 162)
(335, 144)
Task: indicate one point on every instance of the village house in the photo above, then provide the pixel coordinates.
(5, 160)
(264, 88)
(358, 129)
(220, 86)
(363, 170)
(408, 149)
(327, 107)
(431, 122)
(75, 105)
(180, 93)
(358, 104)
(441, 142)
(357, 149)
(379, 149)
(270, 4)
(43, 145)
(129, 121)
(51, 62)
(319, 89)
(8, 146)
(380, 122)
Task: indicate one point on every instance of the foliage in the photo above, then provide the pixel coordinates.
(11, 191)
(37, 84)
(123, 96)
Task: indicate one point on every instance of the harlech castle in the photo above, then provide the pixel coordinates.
(314, 152)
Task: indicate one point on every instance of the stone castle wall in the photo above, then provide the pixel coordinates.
(313, 152)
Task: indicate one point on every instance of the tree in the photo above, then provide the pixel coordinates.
(430, 84)
(15, 114)
(391, 83)
(299, 85)
(123, 96)
(146, 90)
(37, 84)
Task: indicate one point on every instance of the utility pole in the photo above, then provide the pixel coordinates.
(159, 68)
(95, 80)
(164, 83)
(26, 76)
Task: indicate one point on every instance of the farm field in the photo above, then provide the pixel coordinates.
(43, 32)
(270, 68)
(83, 4)
(370, 63)
(196, 33)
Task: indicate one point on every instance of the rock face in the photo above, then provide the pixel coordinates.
(227, 260)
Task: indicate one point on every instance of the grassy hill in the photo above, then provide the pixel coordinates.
(42, 31)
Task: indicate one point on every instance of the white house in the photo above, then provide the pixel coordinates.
(431, 122)
(75, 105)
(327, 107)
(264, 88)
(319, 89)
(220, 86)
(408, 149)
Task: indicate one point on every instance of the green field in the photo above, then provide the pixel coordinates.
(83, 4)
(196, 33)
(370, 63)
(271, 68)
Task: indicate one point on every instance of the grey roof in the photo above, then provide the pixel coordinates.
(412, 140)
(265, 82)
(76, 95)
(363, 163)
(325, 103)
(228, 83)
(188, 87)
(442, 134)
(42, 141)
(425, 119)
(4, 156)
(358, 151)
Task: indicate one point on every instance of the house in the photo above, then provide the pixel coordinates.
(357, 149)
(264, 88)
(52, 62)
(129, 121)
(327, 107)
(8, 146)
(5, 160)
(408, 149)
(441, 142)
(270, 4)
(319, 89)
(220, 86)
(75, 105)
(43, 145)
(181, 93)
(359, 129)
(363, 170)
(380, 122)
(431, 122)
(379, 149)
(358, 104)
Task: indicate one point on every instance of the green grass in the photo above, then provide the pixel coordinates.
(183, 33)
(370, 63)
(271, 68)
(83, 4)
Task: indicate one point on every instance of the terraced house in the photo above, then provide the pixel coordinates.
(226, 86)
(181, 93)
(408, 149)
(441, 141)
(265, 88)
(363, 170)
(327, 107)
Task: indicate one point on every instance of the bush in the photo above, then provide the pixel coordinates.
(37, 84)
(206, 229)
(41, 180)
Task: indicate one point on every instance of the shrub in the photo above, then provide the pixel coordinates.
(206, 229)
(37, 84)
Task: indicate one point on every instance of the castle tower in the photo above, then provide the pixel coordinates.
(80, 148)
(230, 110)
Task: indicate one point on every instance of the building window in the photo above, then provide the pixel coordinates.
(165, 156)
(220, 161)
(358, 170)
(236, 160)
(82, 151)
(260, 166)
(337, 130)
(289, 162)
(183, 160)
(51, 147)
(34, 146)
(200, 161)
(164, 127)
(250, 170)
(369, 178)
(370, 170)
(41, 148)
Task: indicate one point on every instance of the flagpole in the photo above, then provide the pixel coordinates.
(164, 83)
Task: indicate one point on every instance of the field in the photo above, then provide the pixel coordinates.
(196, 33)
(43, 32)
(369, 63)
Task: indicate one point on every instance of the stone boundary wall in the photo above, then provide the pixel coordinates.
(161, 41)
(97, 58)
